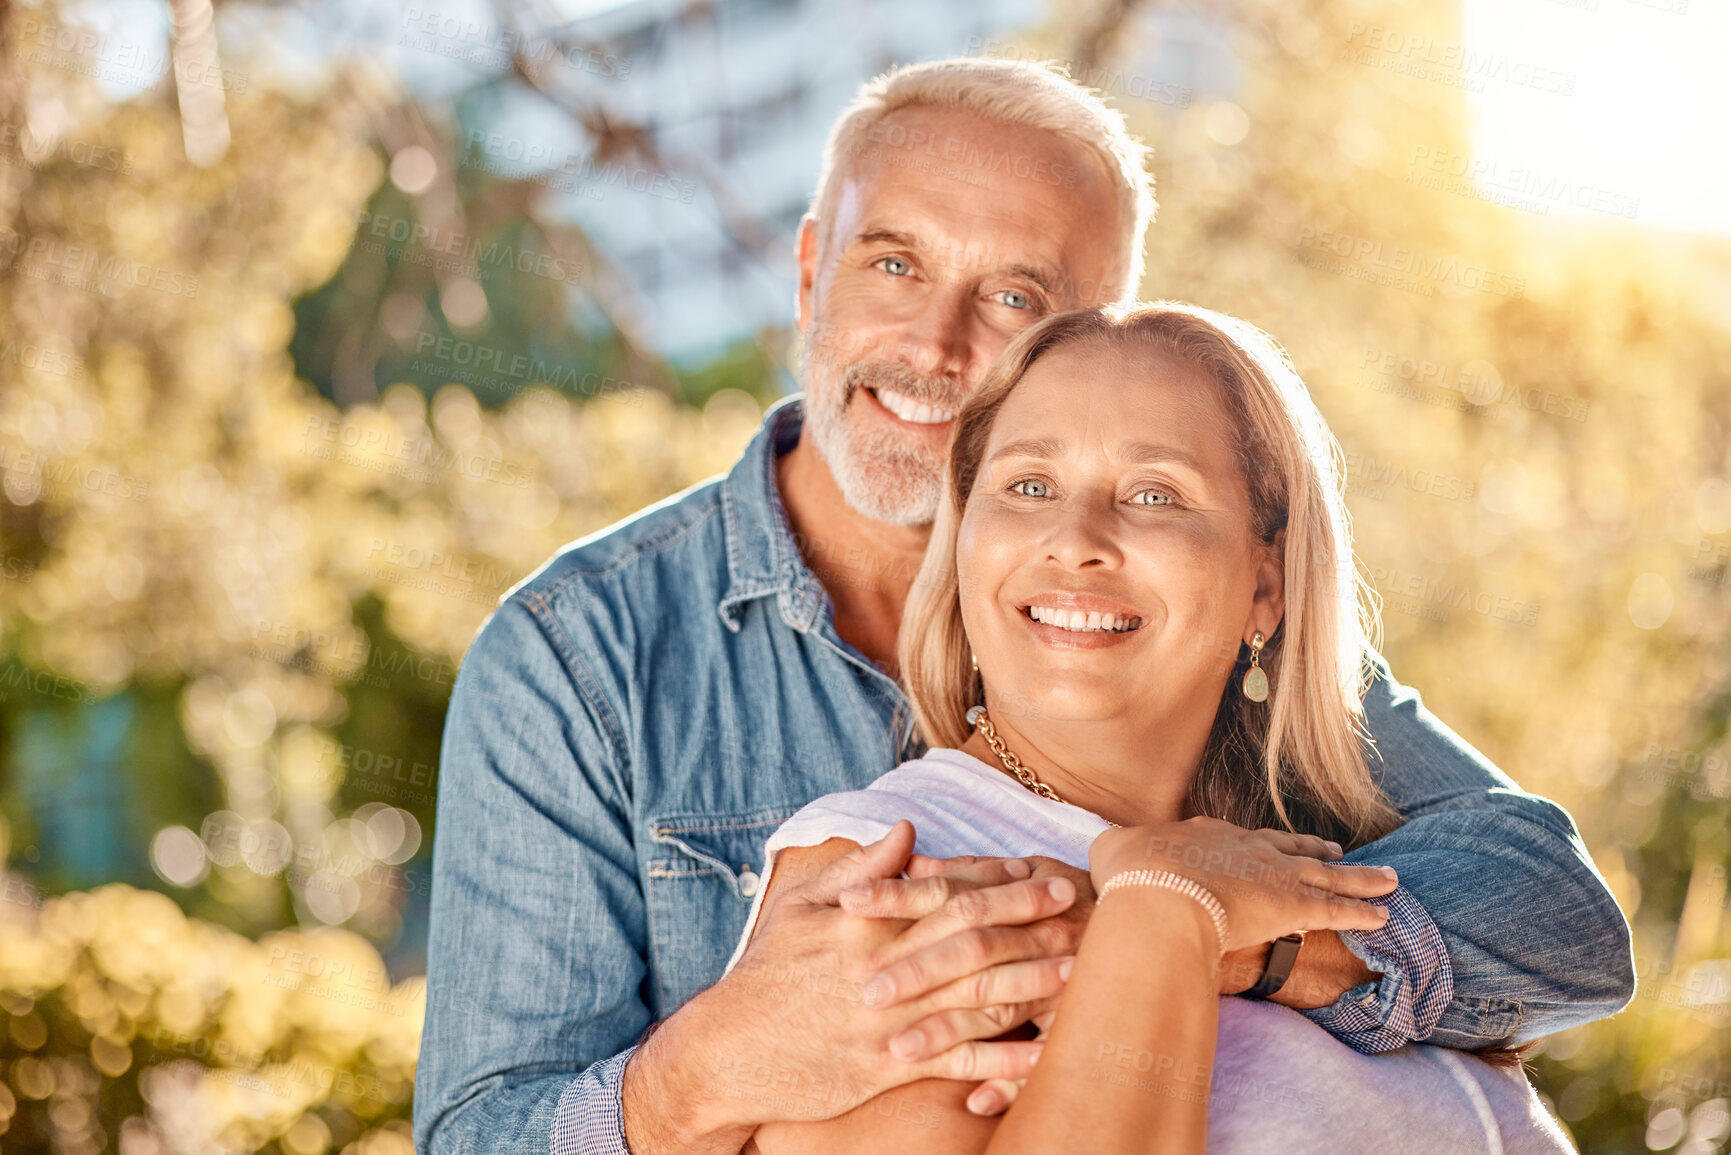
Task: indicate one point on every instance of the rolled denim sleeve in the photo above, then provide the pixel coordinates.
(536, 951)
(1417, 981)
(1535, 942)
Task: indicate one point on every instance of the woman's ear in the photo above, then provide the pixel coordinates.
(1269, 606)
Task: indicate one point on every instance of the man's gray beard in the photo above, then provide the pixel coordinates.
(880, 476)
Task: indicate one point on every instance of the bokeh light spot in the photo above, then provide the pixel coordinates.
(177, 855)
(221, 833)
(248, 718)
(332, 897)
(1225, 123)
(266, 847)
(1480, 383)
(464, 303)
(1503, 486)
(1713, 505)
(413, 169)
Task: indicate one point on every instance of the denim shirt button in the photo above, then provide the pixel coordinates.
(747, 883)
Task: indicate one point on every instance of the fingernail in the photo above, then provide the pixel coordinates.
(908, 1045)
(983, 1102)
(1388, 872)
(876, 991)
(1334, 846)
(1061, 889)
(1065, 967)
(1017, 868)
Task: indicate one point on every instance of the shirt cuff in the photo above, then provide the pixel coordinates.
(1403, 1006)
(589, 1119)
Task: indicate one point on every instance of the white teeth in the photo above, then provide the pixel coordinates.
(1081, 621)
(916, 412)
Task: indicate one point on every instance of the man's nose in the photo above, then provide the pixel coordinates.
(939, 339)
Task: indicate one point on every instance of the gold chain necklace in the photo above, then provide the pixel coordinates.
(978, 718)
(982, 723)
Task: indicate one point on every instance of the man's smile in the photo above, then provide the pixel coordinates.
(910, 410)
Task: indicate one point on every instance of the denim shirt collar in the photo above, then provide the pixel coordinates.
(762, 556)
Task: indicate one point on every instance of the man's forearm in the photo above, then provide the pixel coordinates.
(1534, 938)
(673, 1094)
(1323, 971)
(1564, 959)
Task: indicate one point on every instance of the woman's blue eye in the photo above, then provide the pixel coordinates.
(895, 266)
(1015, 299)
(1152, 497)
(1031, 488)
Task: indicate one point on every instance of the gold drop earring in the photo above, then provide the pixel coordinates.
(1255, 681)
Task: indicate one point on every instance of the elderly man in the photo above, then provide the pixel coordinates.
(639, 715)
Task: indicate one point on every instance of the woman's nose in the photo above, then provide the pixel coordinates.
(1085, 536)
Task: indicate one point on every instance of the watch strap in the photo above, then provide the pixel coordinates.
(1282, 953)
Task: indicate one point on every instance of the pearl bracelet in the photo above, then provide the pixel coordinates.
(1167, 880)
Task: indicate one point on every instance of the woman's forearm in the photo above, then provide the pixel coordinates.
(1127, 1064)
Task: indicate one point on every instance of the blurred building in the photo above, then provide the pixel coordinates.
(747, 90)
(71, 761)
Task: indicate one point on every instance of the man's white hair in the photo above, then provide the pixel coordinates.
(1025, 93)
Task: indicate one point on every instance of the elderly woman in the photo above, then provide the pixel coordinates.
(1128, 488)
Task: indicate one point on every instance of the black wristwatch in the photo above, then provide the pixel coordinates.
(1281, 955)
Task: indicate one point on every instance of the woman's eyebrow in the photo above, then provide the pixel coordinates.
(1030, 447)
(1136, 453)
(1142, 453)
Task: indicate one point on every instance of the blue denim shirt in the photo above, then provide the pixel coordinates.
(640, 714)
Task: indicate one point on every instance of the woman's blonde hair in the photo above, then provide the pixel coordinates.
(1297, 760)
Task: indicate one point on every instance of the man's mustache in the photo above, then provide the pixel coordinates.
(938, 391)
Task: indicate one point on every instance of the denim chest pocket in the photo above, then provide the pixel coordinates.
(703, 875)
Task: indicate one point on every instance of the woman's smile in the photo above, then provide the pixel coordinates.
(1080, 620)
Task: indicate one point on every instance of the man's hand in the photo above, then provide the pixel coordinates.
(802, 1028)
(961, 936)
(907, 898)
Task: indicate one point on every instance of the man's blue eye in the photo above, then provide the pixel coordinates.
(1153, 497)
(1014, 299)
(1031, 488)
(895, 266)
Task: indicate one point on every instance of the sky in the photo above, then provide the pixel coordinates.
(1594, 109)
(1647, 117)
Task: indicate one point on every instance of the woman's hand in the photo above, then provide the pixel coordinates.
(1271, 882)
